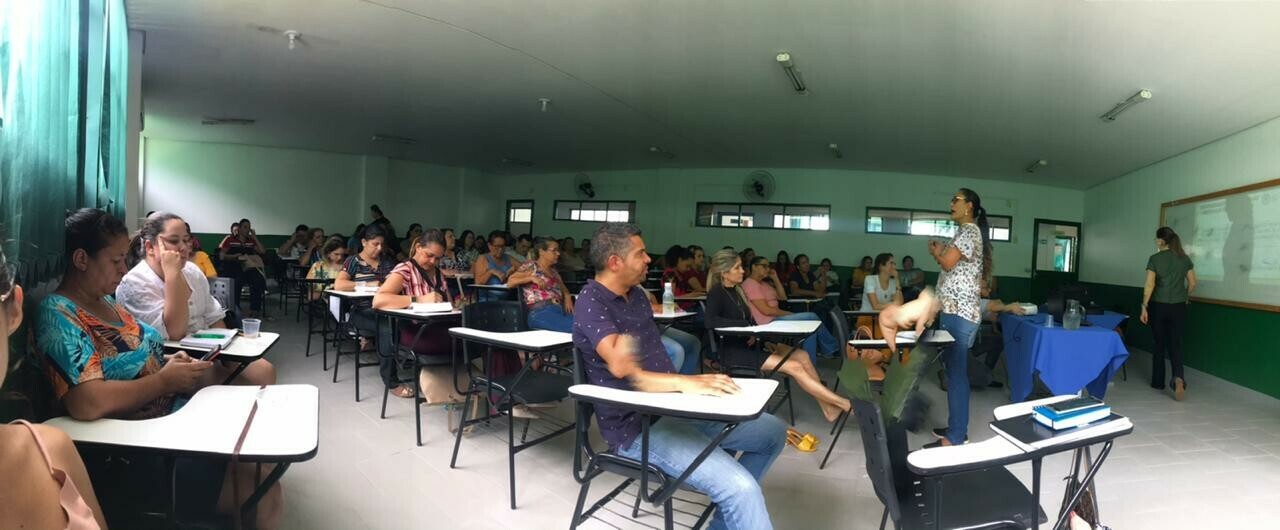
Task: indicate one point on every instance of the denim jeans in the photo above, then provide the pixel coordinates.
(820, 343)
(955, 359)
(551, 317)
(690, 348)
(733, 485)
(675, 351)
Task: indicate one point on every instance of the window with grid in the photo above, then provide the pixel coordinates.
(928, 223)
(596, 211)
(761, 215)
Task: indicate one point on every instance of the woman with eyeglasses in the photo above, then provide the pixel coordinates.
(166, 291)
(763, 290)
(494, 267)
(45, 482)
(964, 261)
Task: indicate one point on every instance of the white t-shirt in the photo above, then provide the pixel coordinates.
(872, 285)
(141, 292)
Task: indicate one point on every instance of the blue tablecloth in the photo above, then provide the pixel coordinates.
(1066, 360)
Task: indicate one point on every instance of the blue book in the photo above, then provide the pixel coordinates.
(1054, 415)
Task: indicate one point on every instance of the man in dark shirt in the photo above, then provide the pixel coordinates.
(621, 348)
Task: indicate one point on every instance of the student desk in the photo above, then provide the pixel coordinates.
(242, 349)
(808, 302)
(788, 332)
(424, 318)
(999, 451)
(458, 276)
(743, 406)
(276, 424)
(1066, 360)
(666, 320)
(339, 304)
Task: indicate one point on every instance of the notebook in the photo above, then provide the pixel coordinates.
(1030, 435)
(421, 307)
(1062, 408)
(207, 339)
(1075, 419)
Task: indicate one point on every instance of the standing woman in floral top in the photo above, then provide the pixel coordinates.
(964, 260)
(542, 290)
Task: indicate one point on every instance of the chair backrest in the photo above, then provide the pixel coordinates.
(223, 290)
(499, 316)
(880, 468)
(840, 325)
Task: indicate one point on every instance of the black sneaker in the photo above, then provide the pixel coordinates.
(940, 432)
(995, 384)
(939, 443)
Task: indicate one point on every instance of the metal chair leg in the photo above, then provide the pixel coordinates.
(511, 457)
(635, 510)
(462, 424)
(844, 418)
(582, 501)
(791, 404)
(668, 518)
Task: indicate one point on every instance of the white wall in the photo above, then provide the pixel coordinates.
(1122, 215)
(667, 199)
(213, 185)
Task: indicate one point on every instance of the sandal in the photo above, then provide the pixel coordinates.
(806, 443)
(402, 391)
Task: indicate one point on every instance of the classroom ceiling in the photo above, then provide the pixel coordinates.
(979, 88)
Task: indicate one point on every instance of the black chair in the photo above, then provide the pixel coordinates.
(599, 462)
(985, 498)
(349, 332)
(840, 327)
(736, 367)
(502, 392)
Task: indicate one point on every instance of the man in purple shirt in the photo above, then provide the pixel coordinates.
(621, 348)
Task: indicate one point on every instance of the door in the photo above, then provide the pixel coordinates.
(520, 217)
(1055, 258)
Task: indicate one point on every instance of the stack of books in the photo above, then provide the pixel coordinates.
(1071, 413)
(208, 339)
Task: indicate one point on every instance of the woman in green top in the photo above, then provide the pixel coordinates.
(1170, 282)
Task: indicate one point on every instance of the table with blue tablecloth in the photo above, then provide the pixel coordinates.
(1066, 360)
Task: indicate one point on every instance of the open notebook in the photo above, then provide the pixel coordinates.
(207, 339)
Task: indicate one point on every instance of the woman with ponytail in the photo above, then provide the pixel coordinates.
(1171, 279)
(964, 262)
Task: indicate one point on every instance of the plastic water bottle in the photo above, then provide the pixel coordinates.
(1048, 320)
(668, 299)
(1071, 319)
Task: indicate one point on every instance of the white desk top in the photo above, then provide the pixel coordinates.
(803, 300)
(691, 297)
(539, 339)
(286, 424)
(413, 313)
(777, 327)
(1004, 412)
(933, 336)
(673, 316)
(350, 294)
(753, 398)
(463, 275)
(1100, 432)
(241, 347)
(994, 448)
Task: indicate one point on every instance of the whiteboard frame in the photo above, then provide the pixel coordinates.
(1273, 183)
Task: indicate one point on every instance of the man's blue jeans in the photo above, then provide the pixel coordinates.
(955, 359)
(732, 484)
(820, 343)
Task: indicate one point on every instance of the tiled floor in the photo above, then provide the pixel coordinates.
(1212, 461)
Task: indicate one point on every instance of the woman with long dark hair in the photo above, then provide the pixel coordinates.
(1171, 278)
(964, 261)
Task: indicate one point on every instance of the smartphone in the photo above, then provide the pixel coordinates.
(213, 354)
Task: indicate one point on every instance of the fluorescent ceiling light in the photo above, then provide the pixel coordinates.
(1139, 97)
(789, 68)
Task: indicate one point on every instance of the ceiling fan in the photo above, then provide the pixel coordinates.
(294, 38)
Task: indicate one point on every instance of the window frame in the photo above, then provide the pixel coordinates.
(866, 220)
(555, 210)
(784, 205)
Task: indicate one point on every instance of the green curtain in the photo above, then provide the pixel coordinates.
(63, 93)
(41, 107)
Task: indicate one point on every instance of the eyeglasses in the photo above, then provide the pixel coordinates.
(954, 199)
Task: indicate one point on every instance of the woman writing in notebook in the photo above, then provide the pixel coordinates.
(416, 280)
(45, 485)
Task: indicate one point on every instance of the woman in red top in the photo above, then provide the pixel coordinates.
(682, 275)
(784, 267)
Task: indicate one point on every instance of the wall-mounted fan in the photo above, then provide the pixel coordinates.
(758, 186)
(582, 185)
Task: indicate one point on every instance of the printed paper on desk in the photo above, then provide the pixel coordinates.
(439, 307)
